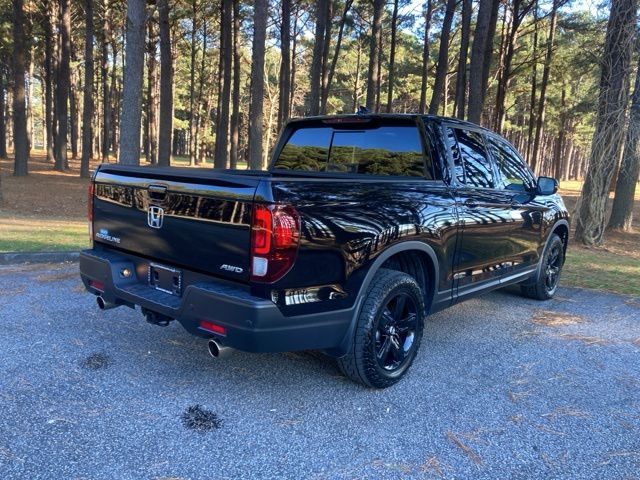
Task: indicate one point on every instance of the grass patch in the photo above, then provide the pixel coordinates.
(41, 235)
(601, 270)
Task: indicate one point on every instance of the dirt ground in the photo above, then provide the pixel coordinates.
(46, 193)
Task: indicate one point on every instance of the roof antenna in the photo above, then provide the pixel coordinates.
(362, 110)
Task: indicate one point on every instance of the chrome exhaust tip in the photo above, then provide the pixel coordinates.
(104, 305)
(218, 351)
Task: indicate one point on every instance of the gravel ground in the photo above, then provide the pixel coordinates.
(503, 387)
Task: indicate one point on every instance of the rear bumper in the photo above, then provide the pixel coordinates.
(252, 324)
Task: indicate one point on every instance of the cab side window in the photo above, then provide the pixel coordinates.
(512, 170)
(471, 160)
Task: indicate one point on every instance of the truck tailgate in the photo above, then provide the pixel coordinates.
(176, 218)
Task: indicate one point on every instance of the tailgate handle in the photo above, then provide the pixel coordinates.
(157, 192)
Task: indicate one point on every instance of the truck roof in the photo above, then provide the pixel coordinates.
(386, 115)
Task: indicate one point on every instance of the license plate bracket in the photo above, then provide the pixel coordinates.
(165, 279)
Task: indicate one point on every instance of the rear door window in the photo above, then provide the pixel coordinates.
(471, 161)
(381, 150)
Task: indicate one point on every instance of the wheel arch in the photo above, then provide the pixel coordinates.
(561, 228)
(429, 282)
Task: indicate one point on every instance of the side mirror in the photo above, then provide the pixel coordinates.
(547, 186)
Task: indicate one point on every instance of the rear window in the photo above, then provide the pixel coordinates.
(382, 150)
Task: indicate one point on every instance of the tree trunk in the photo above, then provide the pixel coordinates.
(461, 77)
(425, 56)
(543, 86)
(30, 95)
(221, 155)
(481, 41)
(87, 112)
(558, 159)
(62, 87)
(132, 86)
(152, 99)
(534, 85)
(336, 55)
(235, 101)
(3, 123)
(622, 209)
(20, 140)
(256, 105)
(192, 84)
(443, 58)
(315, 72)
(608, 136)
(294, 52)
(48, 81)
(104, 74)
(325, 59)
(505, 77)
(356, 82)
(488, 50)
(166, 86)
(74, 121)
(373, 81)
(285, 64)
(392, 55)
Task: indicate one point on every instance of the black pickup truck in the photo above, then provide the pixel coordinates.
(362, 226)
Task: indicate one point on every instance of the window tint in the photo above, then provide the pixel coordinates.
(307, 150)
(458, 168)
(474, 166)
(514, 174)
(385, 150)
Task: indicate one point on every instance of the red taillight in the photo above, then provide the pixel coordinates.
(262, 230)
(96, 285)
(275, 233)
(213, 327)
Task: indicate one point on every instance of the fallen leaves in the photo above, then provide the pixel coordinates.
(550, 318)
(468, 451)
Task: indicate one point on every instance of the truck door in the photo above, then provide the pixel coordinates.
(485, 247)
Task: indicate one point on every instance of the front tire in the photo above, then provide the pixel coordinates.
(548, 277)
(388, 331)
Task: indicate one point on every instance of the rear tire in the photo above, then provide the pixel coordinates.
(547, 278)
(388, 331)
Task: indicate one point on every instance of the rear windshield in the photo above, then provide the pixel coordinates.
(373, 150)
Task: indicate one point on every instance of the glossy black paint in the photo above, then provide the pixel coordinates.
(469, 240)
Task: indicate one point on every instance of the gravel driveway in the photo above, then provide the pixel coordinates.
(503, 387)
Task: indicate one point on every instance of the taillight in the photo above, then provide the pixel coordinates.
(275, 234)
(90, 193)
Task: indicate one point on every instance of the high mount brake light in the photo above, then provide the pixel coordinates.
(346, 120)
(275, 234)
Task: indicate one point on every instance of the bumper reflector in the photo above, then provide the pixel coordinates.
(212, 327)
(97, 285)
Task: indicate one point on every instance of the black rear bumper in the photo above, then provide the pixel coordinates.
(252, 324)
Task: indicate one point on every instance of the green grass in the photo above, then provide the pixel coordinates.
(602, 270)
(34, 235)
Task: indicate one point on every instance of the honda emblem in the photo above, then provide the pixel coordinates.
(155, 217)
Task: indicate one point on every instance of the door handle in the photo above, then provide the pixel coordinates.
(471, 204)
(157, 192)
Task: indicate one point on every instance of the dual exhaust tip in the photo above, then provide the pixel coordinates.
(216, 350)
(104, 305)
